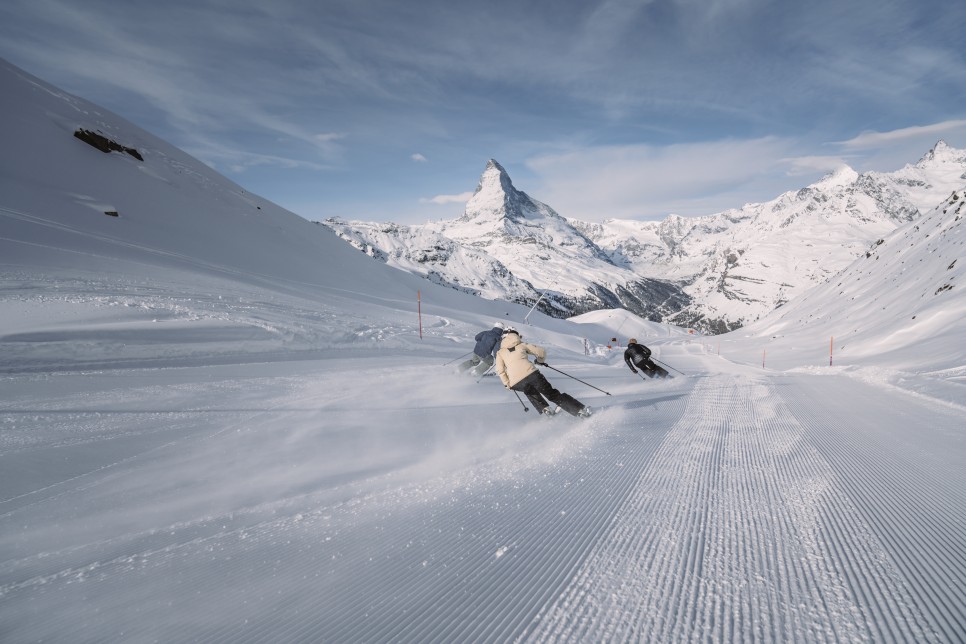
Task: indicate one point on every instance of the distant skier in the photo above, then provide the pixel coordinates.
(518, 373)
(487, 344)
(637, 356)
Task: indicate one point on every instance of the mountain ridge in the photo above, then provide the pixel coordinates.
(716, 272)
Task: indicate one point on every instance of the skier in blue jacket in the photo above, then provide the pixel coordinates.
(487, 344)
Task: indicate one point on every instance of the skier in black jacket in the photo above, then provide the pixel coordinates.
(637, 356)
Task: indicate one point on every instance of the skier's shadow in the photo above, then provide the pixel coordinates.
(639, 404)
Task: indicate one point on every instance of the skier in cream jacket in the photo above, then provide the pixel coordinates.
(518, 373)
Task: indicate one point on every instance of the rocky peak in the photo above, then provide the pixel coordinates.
(496, 200)
(494, 179)
(941, 154)
(495, 196)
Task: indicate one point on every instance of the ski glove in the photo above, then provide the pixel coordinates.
(634, 370)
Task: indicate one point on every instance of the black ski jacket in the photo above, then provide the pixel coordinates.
(636, 355)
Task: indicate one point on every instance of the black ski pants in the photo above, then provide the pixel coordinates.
(650, 369)
(536, 387)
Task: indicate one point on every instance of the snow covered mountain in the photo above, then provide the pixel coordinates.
(740, 264)
(715, 273)
(510, 246)
(904, 296)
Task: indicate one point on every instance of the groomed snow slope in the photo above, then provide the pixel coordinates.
(381, 499)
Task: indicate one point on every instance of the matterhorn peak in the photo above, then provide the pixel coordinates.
(494, 181)
(496, 199)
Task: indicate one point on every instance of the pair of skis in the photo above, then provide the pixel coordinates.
(583, 414)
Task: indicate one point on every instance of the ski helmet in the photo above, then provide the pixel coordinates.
(632, 341)
(499, 325)
(510, 330)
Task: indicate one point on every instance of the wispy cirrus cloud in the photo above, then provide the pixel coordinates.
(650, 182)
(873, 139)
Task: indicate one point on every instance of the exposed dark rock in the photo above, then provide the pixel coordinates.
(105, 144)
(651, 299)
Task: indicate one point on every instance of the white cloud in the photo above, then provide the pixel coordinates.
(238, 160)
(447, 199)
(418, 157)
(809, 165)
(872, 139)
(645, 181)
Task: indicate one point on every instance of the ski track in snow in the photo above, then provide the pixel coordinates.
(719, 508)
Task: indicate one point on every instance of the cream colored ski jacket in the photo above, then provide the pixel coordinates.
(512, 363)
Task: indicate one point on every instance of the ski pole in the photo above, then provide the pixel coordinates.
(525, 408)
(668, 366)
(455, 359)
(544, 364)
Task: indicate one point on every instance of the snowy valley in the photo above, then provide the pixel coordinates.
(220, 422)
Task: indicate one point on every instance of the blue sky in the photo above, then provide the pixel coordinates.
(386, 110)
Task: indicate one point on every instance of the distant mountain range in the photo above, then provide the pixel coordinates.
(715, 273)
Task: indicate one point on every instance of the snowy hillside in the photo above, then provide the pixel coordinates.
(901, 303)
(440, 259)
(221, 423)
(714, 273)
(170, 212)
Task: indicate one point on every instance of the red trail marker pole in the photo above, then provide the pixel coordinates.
(419, 309)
